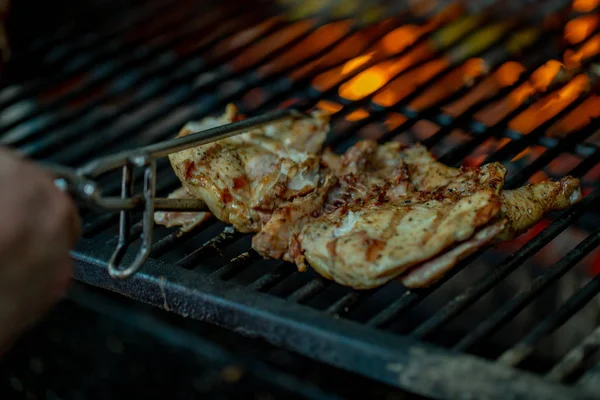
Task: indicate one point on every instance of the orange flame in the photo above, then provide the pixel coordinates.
(585, 5)
(551, 105)
(357, 115)
(329, 106)
(352, 46)
(509, 73)
(452, 82)
(406, 83)
(396, 42)
(573, 59)
(400, 38)
(313, 43)
(506, 75)
(367, 82)
(394, 120)
(577, 118)
(356, 63)
(579, 29)
(539, 82)
(378, 75)
(521, 154)
(543, 76)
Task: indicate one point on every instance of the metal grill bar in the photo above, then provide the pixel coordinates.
(161, 64)
(210, 296)
(539, 284)
(271, 279)
(470, 295)
(107, 44)
(227, 236)
(527, 345)
(576, 137)
(573, 360)
(66, 41)
(235, 266)
(204, 108)
(410, 298)
(310, 290)
(168, 242)
(344, 303)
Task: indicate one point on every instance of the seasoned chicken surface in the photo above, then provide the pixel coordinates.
(375, 213)
(393, 224)
(439, 216)
(243, 179)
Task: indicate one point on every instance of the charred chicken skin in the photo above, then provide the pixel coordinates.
(373, 214)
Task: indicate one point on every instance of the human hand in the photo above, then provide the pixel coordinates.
(38, 227)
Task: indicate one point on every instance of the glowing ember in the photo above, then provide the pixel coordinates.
(585, 5)
(329, 106)
(407, 83)
(577, 118)
(507, 74)
(573, 59)
(521, 154)
(352, 46)
(367, 82)
(539, 81)
(313, 43)
(357, 115)
(549, 106)
(543, 76)
(478, 156)
(579, 29)
(394, 120)
(378, 75)
(450, 83)
(356, 63)
(399, 39)
(258, 51)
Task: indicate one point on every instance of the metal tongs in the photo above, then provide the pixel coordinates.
(80, 184)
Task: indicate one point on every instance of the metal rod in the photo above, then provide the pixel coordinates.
(143, 155)
(236, 265)
(309, 290)
(455, 306)
(527, 345)
(227, 236)
(575, 358)
(539, 284)
(269, 280)
(160, 204)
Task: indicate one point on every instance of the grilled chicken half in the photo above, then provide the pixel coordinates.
(244, 178)
(375, 213)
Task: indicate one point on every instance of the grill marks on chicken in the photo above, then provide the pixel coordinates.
(373, 214)
(395, 224)
(244, 178)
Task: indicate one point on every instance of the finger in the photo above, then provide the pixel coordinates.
(73, 221)
(60, 281)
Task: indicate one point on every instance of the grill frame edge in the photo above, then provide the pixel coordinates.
(396, 360)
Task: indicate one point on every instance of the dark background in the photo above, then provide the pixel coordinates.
(96, 345)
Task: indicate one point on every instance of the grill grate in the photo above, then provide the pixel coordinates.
(149, 69)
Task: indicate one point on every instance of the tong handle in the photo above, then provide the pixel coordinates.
(85, 191)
